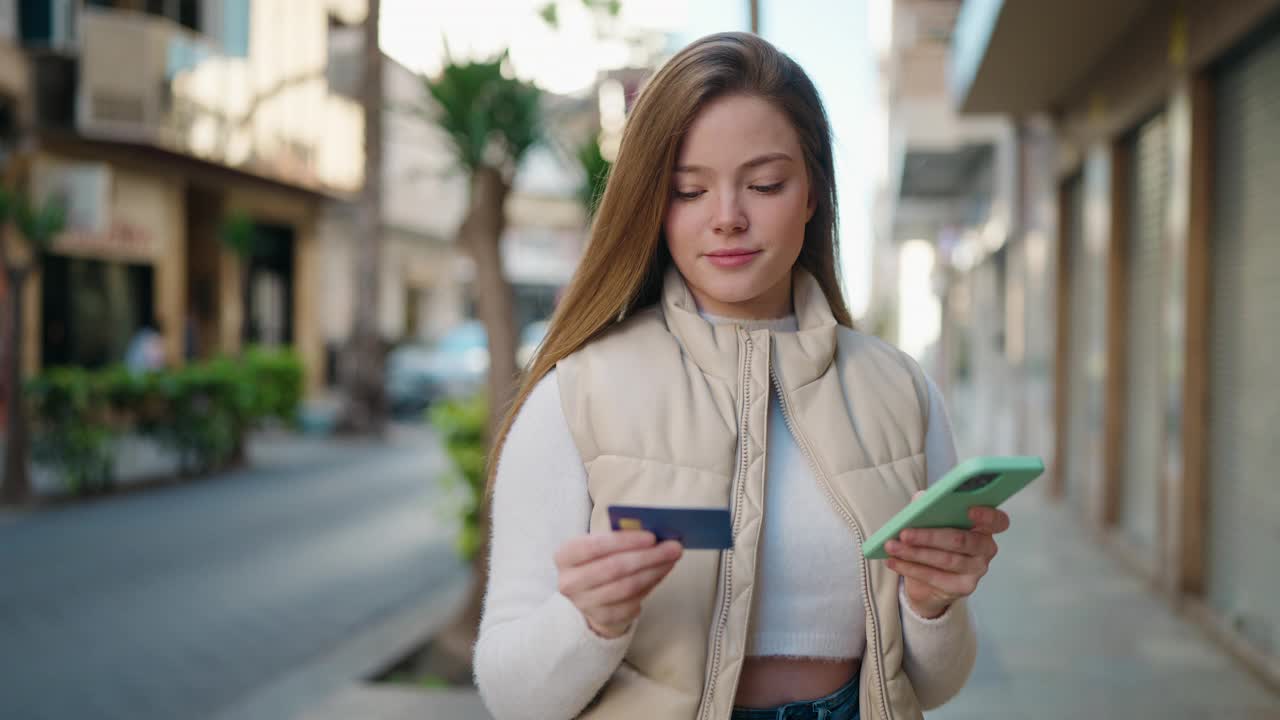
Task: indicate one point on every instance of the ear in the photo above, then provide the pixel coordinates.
(811, 206)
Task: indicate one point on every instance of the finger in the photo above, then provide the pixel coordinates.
(631, 588)
(916, 496)
(586, 548)
(944, 583)
(989, 520)
(944, 560)
(965, 542)
(617, 566)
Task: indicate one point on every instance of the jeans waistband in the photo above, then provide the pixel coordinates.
(839, 705)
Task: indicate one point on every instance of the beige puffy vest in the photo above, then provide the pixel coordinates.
(669, 409)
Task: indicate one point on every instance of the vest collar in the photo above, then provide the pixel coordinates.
(799, 357)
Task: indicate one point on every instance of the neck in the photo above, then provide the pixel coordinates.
(771, 304)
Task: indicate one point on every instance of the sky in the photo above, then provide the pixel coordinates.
(829, 38)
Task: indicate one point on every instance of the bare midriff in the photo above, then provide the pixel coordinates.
(771, 681)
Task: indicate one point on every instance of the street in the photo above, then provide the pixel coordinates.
(178, 602)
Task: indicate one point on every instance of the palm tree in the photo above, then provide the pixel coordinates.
(492, 120)
(595, 168)
(38, 227)
(364, 362)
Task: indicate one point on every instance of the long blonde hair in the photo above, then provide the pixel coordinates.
(626, 256)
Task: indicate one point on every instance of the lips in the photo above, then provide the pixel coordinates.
(733, 257)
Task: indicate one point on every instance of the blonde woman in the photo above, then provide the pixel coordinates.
(703, 357)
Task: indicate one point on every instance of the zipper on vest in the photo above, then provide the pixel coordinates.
(722, 615)
(873, 638)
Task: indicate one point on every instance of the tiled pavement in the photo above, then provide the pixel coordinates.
(1065, 632)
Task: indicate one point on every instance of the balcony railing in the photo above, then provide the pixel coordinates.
(145, 79)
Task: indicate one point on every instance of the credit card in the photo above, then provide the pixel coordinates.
(695, 528)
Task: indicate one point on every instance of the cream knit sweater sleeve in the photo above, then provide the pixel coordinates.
(536, 657)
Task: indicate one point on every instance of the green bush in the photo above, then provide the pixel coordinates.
(461, 424)
(202, 411)
(73, 433)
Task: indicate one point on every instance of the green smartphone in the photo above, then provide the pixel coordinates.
(977, 482)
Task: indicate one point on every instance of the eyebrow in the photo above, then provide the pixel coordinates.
(752, 163)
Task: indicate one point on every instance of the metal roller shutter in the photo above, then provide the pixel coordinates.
(1149, 190)
(1243, 569)
(1084, 373)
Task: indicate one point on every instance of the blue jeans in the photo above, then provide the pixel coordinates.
(839, 705)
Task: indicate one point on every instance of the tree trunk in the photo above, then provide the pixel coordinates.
(363, 364)
(481, 233)
(16, 487)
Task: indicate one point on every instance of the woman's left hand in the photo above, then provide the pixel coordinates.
(943, 565)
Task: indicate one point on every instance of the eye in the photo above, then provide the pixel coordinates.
(767, 189)
(691, 195)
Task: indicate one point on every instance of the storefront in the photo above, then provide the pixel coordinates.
(1143, 158)
(1167, 118)
(116, 268)
(143, 246)
(1243, 525)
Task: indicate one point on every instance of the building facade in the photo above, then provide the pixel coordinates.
(944, 224)
(157, 123)
(1143, 252)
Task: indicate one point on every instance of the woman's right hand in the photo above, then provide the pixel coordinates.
(607, 576)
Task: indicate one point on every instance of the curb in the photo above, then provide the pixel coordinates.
(364, 654)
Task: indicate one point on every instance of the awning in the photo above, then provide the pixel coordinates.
(1024, 56)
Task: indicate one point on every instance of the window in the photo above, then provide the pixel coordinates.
(184, 12)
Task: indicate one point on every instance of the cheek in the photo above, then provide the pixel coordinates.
(681, 228)
(785, 219)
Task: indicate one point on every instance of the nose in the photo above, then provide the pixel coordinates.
(729, 218)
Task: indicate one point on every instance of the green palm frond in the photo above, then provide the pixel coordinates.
(479, 106)
(550, 15)
(596, 168)
(38, 225)
(237, 233)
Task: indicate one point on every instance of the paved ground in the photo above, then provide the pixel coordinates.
(182, 602)
(1065, 633)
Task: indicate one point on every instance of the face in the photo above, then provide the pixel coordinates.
(740, 201)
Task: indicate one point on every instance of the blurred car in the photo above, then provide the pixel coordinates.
(455, 366)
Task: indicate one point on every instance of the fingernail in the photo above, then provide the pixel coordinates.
(893, 546)
(907, 536)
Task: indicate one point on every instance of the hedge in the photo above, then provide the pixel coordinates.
(201, 411)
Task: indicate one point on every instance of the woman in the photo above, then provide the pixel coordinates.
(703, 356)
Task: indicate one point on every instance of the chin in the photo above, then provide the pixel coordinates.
(725, 287)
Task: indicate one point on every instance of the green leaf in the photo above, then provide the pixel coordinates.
(237, 233)
(550, 15)
(597, 169)
(481, 109)
(610, 7)
(39, 225)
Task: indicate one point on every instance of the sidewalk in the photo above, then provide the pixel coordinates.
(1065, 632)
